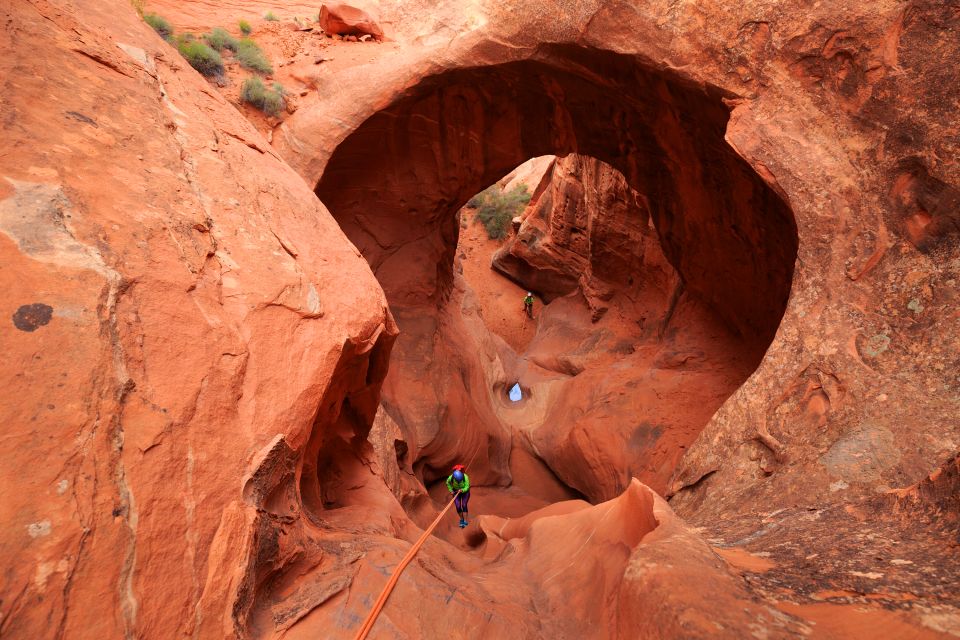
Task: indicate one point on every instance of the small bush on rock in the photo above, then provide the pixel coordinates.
(201, 57)
(251, 56)
(160, 24)
(496, 208)
(245, 27)
(221, 39)
(270, 17)
(270, 101)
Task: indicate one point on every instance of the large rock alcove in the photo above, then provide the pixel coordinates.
(725, 235)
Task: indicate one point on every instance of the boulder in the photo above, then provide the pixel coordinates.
(346, 20)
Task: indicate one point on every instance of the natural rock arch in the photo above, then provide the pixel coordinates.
(396, 182)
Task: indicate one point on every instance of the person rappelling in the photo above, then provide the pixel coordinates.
(528, 305)
(459, 481)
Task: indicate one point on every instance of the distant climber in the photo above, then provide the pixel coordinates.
(528, 304)
(460, 481)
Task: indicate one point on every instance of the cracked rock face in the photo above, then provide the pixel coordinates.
(215, 428)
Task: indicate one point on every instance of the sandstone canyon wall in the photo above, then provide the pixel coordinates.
(588, 229)
(832, 108)
(176, 347)
(814, 97)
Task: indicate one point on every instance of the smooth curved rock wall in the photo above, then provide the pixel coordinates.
(196, 342)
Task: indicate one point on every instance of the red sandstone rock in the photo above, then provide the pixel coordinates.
(345, 20)
(590, 231)
(197, 346)
(794, 431)
(204, 468)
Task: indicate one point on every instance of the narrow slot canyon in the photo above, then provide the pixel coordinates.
(661, 263)
(601, 396)
(618, 370)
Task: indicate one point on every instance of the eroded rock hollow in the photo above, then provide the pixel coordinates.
(243, 350)
(723, 262)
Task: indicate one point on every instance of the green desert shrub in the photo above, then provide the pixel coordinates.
(245, 27)
(270, 101)
(251, 56)
(221, 39)
(496, 208)
(270, 17)
(201, 57)
(160, 24)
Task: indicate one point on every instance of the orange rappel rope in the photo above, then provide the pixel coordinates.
(392, 582)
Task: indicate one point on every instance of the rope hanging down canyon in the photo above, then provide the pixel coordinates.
(391, 583)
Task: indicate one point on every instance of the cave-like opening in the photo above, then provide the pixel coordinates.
(692, 276)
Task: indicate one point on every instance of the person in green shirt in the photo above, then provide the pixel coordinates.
(460, 481)
(528, 304)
